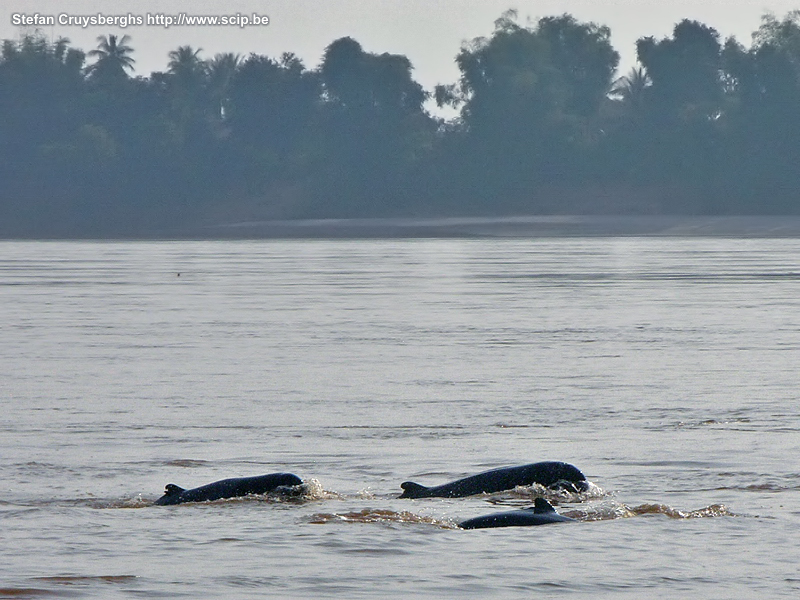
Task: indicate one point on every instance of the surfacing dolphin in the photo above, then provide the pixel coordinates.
(228, 488)
(542, 513)
(548, 474)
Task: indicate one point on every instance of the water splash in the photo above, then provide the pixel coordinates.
(605, 511)
(374, 515)
(526, 494)
(610, 510)
(312, 491)
(714, 510)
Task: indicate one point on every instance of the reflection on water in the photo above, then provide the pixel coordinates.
(665, 369)
(598, 512)
(374, 515)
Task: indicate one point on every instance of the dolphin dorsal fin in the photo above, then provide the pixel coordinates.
(173, 489)
(412, 490)
(540, 505)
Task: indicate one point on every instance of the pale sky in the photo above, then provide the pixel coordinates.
(428, 32)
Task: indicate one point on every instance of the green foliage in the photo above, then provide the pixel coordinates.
(631, 89)
(763, 119)
(544, 125)
(783, 35)
(373, 131)
(41, 87)
(685, 69)
(530, 100)
(113, 60)
(271, 110)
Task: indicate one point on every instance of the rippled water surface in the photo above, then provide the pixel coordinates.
(665, 369)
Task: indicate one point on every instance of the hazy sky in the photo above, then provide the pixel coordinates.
(429, 32)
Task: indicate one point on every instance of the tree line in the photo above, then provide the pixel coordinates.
(701, 125)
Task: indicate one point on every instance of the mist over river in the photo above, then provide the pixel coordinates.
(666, 369)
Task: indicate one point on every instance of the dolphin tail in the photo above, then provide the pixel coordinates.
(412, 490)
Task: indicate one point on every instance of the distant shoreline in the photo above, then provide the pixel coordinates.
(519, 226)
(539, 226)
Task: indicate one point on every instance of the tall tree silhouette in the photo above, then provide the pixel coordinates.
(186, 86)
(631, 88)
(763, 124)
(686, 70)
(362, 81)
(114, 59)
(271, 112)
(41, 86)
(374, 125)
(221, 70)
(529, 100)
(680, 142)
(186, 66)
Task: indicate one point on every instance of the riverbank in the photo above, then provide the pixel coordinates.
(520, 226)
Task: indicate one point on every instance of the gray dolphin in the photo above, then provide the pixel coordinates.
(549, 474)
(228, 488)
(542, 513)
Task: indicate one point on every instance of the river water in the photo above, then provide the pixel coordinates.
(666, 369)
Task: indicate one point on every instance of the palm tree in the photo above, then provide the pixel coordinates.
(113, 58)
(631, 87)
(186, 87)
(221, 69)
(186, 66)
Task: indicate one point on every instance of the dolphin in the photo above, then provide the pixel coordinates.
(541, 513)
(557, 475)
(228, 488)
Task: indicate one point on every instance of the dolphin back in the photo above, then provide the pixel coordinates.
(228, 488)
(548, 473)
(542, 513)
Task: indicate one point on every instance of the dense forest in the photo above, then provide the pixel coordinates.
(545, 126)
